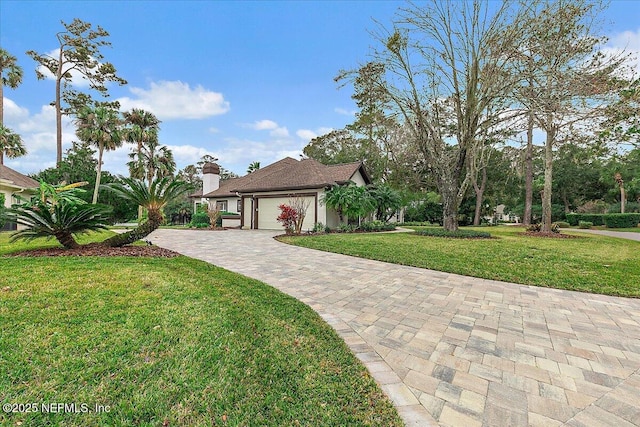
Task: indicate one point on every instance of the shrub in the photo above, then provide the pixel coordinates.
(318, 227)
(458, 234)
(625, 220)
(416, 223)
(585, 225)
(288, 217)
(199, 220)
(346, 228)
(594, 207)
(376, 226)
(629, 207)
(2, 209)
(575, 218)
(563, 224)
(535, 228)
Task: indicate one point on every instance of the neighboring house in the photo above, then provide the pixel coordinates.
(501, 215)
(257, 196)
(13, 183)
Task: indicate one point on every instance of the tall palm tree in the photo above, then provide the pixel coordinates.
(153, 198)
(12, 78)
(141, 127)
(99, 126)
(153, 161)
(10, 144)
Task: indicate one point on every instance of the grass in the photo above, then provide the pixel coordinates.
(174, 342)
(589, 263)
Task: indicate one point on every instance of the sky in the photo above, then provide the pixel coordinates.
(242, 81)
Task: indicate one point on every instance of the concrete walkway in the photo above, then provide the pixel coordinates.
(452, 350)
(629, 235)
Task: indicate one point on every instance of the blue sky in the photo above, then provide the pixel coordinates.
(241, 80)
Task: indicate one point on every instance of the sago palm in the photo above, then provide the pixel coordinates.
(153, 198)
(57, 212)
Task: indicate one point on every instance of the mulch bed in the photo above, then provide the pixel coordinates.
(96, 249)
(549, 235)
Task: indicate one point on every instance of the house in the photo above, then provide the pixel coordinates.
(500, 215)
(12, 184)
(256, 197)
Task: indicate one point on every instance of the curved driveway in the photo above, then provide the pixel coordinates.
(452, 350)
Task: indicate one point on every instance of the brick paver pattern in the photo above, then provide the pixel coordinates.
(452, 350)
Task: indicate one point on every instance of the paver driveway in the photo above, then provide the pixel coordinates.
(453, 350)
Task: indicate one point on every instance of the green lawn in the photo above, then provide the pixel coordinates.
(174, 342)
(589, 263)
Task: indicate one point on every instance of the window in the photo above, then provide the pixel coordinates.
(239, 206)
(221, 205)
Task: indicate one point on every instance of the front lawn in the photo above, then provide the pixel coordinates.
(170, 342)
(588, 263)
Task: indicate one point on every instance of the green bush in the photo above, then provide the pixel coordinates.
(563, 224)
(2, 209)
(376, 226)
(458, 234)
(625, 220)
(585, 225)
(575, 218)
(415, 223)
(629, 207)
(200, 220)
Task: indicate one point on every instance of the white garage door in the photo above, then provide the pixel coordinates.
(268, 212)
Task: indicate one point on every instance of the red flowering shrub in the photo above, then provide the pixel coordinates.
(288, 217)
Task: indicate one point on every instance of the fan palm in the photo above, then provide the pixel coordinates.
(141, 127)
(153, 198)
(99, 126)
(12, 78)
(152, 162)
(10, 144)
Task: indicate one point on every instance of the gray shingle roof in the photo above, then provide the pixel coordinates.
(290, 174)
(16, 178)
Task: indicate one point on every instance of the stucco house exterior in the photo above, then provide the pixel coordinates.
(257, 196)
(13, 183)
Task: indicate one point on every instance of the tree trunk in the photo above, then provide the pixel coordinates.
(1, 104)
(98, 174)
(623, 198)
(59, 111)
(548, 180)
(66, 239)
(449, 211)
(479, 196)
(143, 230)
(528, 173)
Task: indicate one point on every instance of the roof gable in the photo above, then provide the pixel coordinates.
(17, 179)
(290, 174)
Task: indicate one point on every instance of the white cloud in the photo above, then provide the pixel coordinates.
(263, 125)
(345, 112)
(12, 111)
(629, 42)
(308, 134)
(176, 100)
(276, 131)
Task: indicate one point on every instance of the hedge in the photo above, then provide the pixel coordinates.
(625, 220)
(575, 218)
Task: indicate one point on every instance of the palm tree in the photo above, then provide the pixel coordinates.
(99, 126)
(140, 127)
(153, 161)
(153, 198)
(59, 213)
(253, 166)
(10, 144)
(12, 79)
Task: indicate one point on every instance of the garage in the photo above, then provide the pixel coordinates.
(268, 211)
